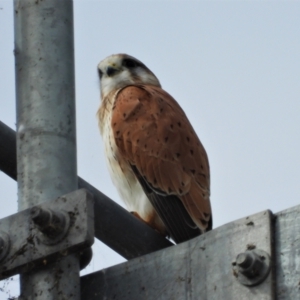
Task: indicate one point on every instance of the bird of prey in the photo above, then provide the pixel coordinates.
(155, 158)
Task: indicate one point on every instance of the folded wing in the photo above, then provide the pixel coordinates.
(155, 137)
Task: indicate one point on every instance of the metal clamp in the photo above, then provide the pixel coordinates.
(252, 267)
(46, 232)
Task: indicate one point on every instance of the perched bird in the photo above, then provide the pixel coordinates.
(155, 158)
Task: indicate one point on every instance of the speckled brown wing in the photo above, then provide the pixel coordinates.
(154, 135)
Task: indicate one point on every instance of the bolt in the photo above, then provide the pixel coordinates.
(244, 260)
(250, 264)
(51, 223)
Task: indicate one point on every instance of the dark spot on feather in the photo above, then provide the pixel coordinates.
(203, 194)
(145, 146)
(161, 110)
(128, 132)
(158, 140)
(179, 124)
(124, 115)
(166, 139)
(187, 138)
(169, 190)
(117, 132)
(157, 153)
(202, 167)
(203, 221)
(206, 215)
(182, 183)
(137, 141)
(177, 154)
(180, 190)
(192, 152)
(193, 171)
(165, 155)
(115, 124)
(155, 181)
(171, 126)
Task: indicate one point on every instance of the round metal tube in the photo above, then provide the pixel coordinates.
(46, 145)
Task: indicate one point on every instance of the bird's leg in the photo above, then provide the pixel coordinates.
(138, 216)
(150, 223)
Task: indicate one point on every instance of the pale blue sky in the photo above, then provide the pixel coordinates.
(234, 67)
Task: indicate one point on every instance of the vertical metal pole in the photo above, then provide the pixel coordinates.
(46, 145)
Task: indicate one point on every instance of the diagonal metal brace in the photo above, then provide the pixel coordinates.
(26, 244)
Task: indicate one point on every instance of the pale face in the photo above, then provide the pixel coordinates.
(120, 70)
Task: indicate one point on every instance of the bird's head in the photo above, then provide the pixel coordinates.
(119, 70)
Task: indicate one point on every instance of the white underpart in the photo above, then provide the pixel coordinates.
(109, 84)
(125, 181)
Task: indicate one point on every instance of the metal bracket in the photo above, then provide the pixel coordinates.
(39, 235)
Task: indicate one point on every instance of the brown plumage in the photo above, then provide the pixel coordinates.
(153, 143)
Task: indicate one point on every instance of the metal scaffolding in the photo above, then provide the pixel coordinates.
(49, 238)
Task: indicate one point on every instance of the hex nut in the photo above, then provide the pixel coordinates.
(252, 267)
(51, 226)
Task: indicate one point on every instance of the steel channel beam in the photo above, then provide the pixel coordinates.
(46, 132)
(114, 226)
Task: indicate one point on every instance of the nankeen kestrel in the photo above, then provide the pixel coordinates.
(155, 158)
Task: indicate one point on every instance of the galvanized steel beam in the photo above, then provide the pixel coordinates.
(46, 136)
(202, 268)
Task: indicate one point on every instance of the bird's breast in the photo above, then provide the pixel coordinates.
(120, 170)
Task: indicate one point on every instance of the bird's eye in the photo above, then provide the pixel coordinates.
(129, 63)
(100, 73)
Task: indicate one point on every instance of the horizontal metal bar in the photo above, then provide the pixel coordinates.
(8, 151)
(114, 226)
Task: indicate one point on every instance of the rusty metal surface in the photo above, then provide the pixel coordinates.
(198, 269)
(27, 249)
